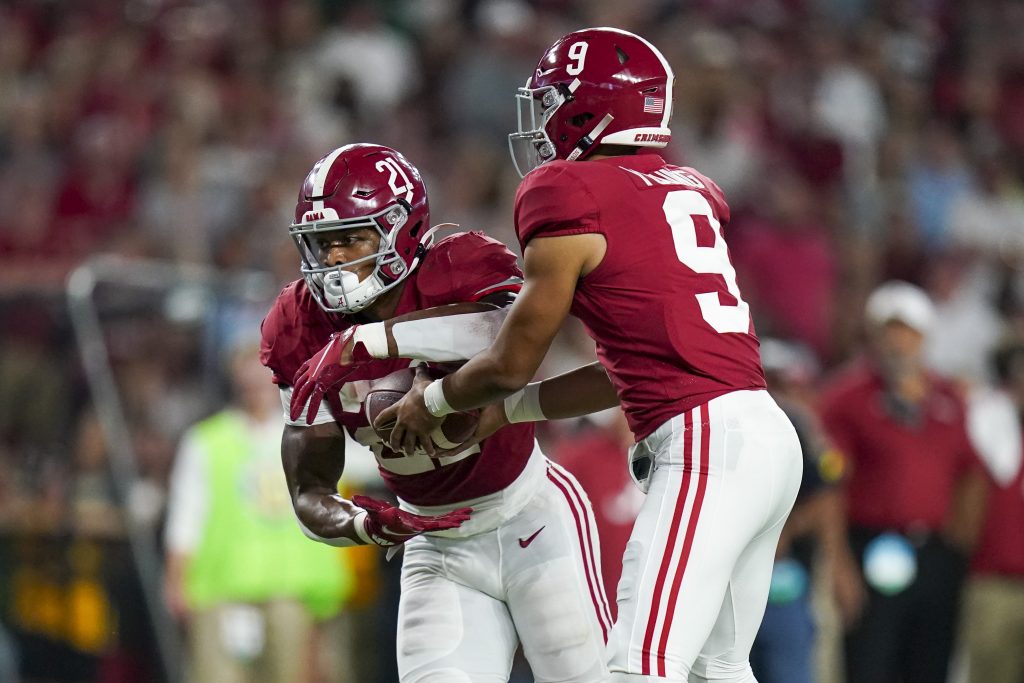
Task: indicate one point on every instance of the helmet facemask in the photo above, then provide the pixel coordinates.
(337, 289)
(532, 147)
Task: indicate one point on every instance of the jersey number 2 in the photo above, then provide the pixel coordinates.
(683, 209)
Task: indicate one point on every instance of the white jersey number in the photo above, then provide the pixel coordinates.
(682, 208)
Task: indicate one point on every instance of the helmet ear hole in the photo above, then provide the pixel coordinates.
(580, 120)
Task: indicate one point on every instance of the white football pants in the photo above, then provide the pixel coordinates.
(697, 567)
(468, 602)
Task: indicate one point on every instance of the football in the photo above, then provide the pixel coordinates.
(387, 391)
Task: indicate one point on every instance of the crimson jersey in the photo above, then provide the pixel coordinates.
(904, 468)
(663, 305)
(463, 267)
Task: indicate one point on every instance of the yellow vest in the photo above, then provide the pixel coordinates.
(252, 549)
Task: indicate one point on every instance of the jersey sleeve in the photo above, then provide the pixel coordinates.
(552, 202)
(467, 267)
(291, 333)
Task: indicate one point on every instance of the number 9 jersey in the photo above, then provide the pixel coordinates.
(663, 306)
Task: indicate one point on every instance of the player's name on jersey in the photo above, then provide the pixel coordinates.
(666, 176)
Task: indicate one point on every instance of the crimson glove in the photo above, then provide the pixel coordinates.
(388, 525)
(336, 363)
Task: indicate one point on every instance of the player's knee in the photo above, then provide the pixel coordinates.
(721, 671)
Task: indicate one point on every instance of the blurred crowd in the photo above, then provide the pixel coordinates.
(857, 142)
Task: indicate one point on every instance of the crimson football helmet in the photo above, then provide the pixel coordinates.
(361, 186)
(598, 86)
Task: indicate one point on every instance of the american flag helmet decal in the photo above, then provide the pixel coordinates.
(654, 105)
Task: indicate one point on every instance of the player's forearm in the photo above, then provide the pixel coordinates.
(582, 391)
(331, 519)
(443, 333)
(313, 460)
(486, 378)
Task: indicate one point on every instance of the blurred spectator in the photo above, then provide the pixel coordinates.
(239, 571)
(914, 496)
(966, 314)
(784, 648)
(993, 623)
(936, 180)
(794, 303)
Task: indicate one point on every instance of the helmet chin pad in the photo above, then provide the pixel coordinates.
(344, 291)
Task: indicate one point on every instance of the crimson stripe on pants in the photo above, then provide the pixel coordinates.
(585, 553)
(666, 559)
(691, 528)
(588, 524)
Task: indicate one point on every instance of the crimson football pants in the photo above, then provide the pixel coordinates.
(698, 564)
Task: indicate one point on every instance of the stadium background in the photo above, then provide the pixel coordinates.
(857, 141)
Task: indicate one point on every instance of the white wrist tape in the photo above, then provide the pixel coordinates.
(446, 338)
(437, 404)
(374, 338)
(358, 523)
(524, 405)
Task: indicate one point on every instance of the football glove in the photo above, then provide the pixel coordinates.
(341, 360)
(388, 525)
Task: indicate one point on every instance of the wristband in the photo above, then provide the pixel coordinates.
(437, 404)
(524, 405)
(374, 339)
(358, 525)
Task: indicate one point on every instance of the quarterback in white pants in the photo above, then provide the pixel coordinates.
(697, 567)
(635, 248)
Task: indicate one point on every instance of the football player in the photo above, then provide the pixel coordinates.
(500, 543)
(635, 247)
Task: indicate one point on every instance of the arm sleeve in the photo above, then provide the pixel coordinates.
(188, 499)
(551, 202)
(448, 338)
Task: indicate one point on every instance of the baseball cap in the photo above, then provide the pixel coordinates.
(903, 302)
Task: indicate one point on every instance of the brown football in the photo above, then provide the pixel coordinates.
(387, 391)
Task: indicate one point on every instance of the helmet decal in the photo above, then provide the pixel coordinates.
(367, 187)
(598, 86)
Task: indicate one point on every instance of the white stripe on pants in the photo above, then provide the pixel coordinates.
(698, 564)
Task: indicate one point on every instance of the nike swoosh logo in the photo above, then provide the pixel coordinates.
(523, 542)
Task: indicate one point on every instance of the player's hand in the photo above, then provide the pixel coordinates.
(413, 423)
(388, 525)
(338, 362)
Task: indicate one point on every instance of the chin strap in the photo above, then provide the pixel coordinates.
(588, 140)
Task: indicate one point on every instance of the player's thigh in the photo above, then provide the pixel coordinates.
(449, 632)
(672, 583)
(554, 588)
(723, 485)
(725, 655)
(760, 480)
